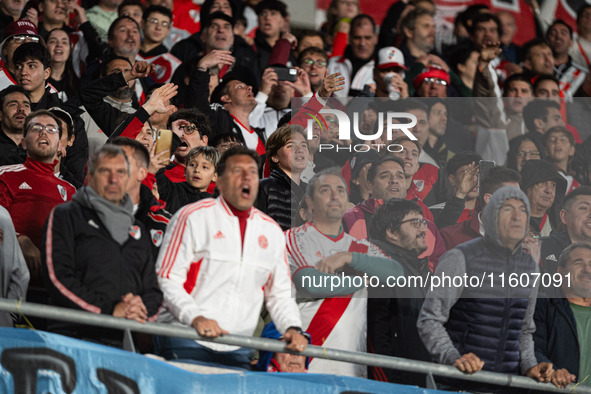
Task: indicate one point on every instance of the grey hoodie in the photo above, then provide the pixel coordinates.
(436, 308)
(490, 214)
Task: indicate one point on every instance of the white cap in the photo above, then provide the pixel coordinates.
(390, 57)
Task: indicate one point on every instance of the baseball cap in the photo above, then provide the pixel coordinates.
(218, 15)
(430, 72)
(274, 5)
(362, 158)
(389, 57)
(18, 28)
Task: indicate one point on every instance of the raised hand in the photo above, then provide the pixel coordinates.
(216, 58)
(140, 69)
(268, 80)
(489, 51)
(331, 83)
(302, 83)
(159, 98)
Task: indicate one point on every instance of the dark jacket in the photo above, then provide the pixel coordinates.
(158, 50)
(153, 215)
(449, 212)
(279, 197)
(431, 185)
(536, 171)
(10, 153)
(492, 320)
(440, 152)
(191, 47)
(105, 115)
(85, 268)
(552, 247)
(556, 337)
(264, 51)
(484, 326)
(391, 322)
(220, 120)
(177, 194)
(4, 21)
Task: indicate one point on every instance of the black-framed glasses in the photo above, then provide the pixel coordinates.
(38, 128)
(188, 128)
(155, 21)
(310, 62)
(21, 38)
(415, 222)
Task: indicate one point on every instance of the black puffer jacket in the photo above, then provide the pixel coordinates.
(279, 197)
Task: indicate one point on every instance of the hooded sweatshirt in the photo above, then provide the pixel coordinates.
(536, 171)
(494, 322)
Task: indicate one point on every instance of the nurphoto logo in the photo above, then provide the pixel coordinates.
(395, 121)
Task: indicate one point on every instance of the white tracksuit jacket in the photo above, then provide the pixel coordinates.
(202, 270)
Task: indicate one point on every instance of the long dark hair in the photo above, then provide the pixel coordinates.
(70, 79)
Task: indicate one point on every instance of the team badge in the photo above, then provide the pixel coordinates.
(419, 183)
(156, 236)
(135, 232)
(263, 243)
(63, 192)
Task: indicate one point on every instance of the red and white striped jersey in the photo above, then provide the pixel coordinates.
(339, 322)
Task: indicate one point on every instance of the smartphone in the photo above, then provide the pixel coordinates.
(286, 74)
(484, 167)
(163, 141)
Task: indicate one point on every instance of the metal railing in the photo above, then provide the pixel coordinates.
(377, 360)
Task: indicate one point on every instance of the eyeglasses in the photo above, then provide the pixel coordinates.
(436, 81)
(188, 128)
(310, 62)
(24, 37)
(525, 153)
(416, 222)
(155, 21)
(38, 128)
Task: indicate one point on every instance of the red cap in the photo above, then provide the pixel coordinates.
(430, 72)
(20, 27)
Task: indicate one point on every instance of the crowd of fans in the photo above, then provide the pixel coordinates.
(109, 218)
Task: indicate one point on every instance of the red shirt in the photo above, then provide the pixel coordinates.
(29, 191)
